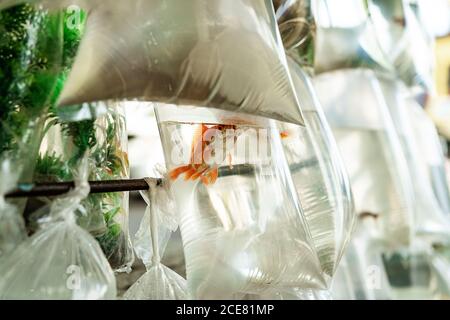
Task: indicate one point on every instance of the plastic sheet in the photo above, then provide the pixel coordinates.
(105, 138)
(233, 199)
(60, 261)
(357, 112)
(159, 282)
(319, 176)
(222, 54)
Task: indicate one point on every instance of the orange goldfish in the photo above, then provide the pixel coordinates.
(202, 152)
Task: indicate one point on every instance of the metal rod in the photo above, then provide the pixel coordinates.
(59, 188)
(28, 190)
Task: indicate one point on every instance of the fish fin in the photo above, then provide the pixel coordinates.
(201, 170)
(175, 173)
(213, 174)
(204, 180)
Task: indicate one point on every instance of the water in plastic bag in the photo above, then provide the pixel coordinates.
(427, 139)
(60, 261)
(159, 282)
(234, 194)
(430, 219)
(105, 137)
(357, 112)
(345, 37)
(30, 59)
(221, 54)
(294, 294)
(362, 274)
(12, 228)
(319, 176)
(440, 264)
(410, 272)
(343, 286)
(404, 41)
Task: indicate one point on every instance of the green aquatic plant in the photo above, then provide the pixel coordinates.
(99, 139)
(37, 50)
(30, 64)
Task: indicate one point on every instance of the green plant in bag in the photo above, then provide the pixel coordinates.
(30, 62)
(98, 137)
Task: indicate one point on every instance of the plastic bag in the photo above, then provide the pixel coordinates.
(60, 261)
(319, 176)
(430, 219)
(233, 202)
(222, 54)
(12, 228)
(362, 274)
(105, 138)
(404, 41)
(433, 158)
(357, 112)
(159, 282)
(30, 59)
(346, 37)
(343, 285)
(294, 294)
(410, 272)
(297, 28)
(440, 264)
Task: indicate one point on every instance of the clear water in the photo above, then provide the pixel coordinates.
(438, 178)
(379, 179)
(231, 228)
(325, 198)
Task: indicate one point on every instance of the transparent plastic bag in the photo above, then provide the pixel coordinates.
(346, 37)
(362, 274)
(427, 138)
(297, 28)
(294, 294)
(343, 285)
(31, 60)
(232, 204)
(357, 112)
(221, 54)
(319, 176)
(410, 272)
(404, 41)
(61, 260)
(430, 219)
(12, 228)
(105, 138)
(159, 282)
(440, 264)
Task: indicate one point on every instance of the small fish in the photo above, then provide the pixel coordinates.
(202, 151)
(284, 134)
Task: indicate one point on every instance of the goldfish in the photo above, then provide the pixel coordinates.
(202, 152)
